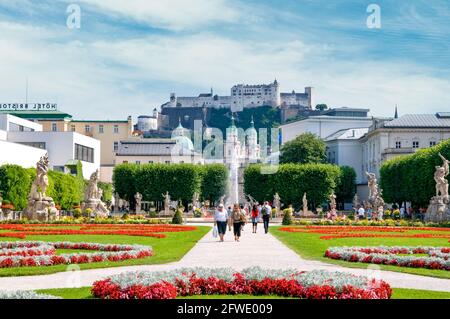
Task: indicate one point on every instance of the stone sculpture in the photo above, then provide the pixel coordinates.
(375, 194)
(138, 199)
(92, 198)
(166, 197)
(305, 204)
(40, 206)
(439, 208)
(195, 201)
(332, 214)
(277, 204)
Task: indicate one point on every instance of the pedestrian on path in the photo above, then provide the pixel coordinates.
(255, 217)
(238, 218)
(266, 211)
(220, 220)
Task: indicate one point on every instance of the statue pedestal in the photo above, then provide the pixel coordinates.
(42, 210)
(438, 210)
(307, 214)
(97, 206)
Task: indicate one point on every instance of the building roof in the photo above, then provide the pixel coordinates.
(420, 120)
(151, 147)
(40, 115)
(348, 134)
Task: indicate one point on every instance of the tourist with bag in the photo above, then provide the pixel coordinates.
(220, 221)
(255, 217)
(237, 218)
(266, 211)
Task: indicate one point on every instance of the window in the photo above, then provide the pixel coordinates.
(398, 144)
(40, 145)
(59, 169)
(72, 128)
(116, 129)
(150, 162)
(84, 153)
(100, 129)
(125, 162)
(54, 127)
(116, 146)
(87, 128)
(167, 162)
(432, 143)
(138, 162)
(415, 144)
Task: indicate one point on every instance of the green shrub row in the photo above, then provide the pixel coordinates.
(411, 178)
(291, 181)
(180, 180)
(15, 184)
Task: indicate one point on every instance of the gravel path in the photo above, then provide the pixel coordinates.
(253, 250)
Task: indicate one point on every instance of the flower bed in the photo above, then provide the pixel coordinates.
(37, 253)
(438, 257)
(19, 294)
(22, 230)
(254, 281)
(333, 232)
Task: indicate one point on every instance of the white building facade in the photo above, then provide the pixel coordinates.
(23, 142)
(324, 125)
(402, 136)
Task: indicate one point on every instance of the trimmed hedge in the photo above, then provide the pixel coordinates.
(15, 185)
(411, 178)
(291, 181)
(180, 180)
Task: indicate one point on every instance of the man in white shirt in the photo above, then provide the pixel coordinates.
(220, 220)
(361, 213)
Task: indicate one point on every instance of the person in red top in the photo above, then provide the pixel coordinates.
(255, 217)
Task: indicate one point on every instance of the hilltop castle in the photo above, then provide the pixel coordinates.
(245, 96)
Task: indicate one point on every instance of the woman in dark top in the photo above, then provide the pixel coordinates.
(237, 217)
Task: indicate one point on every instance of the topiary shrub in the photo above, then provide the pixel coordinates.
(287, 216)
(178, 217)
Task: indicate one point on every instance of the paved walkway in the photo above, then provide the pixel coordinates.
(253, 250)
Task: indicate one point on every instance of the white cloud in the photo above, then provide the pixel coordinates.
(115, 78)
(170, 14)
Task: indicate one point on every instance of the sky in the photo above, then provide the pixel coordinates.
(128, 56)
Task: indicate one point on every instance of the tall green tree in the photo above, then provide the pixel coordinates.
(346, 187)
(304, 149)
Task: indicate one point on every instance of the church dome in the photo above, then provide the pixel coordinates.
(184, 142)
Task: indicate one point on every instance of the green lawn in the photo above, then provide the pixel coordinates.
(310, 246)
(169, 249)
(85, 293)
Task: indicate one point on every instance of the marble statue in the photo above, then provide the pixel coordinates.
(166, 203)
(332, 213)
(439, 208)
(440, 178)
(93, 199)
(251, 200)
(116, 202)
(375, 194)
(195, 201)
(277, 204)
(40, 206)
(1, 203)
(305, 204)
(138, 199)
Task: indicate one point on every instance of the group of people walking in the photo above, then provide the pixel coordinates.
(236, 217)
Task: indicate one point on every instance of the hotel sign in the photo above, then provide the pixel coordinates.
(28, 107)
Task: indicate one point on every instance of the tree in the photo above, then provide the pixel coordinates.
(305, 148)
(346, 187)
(321, 107)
